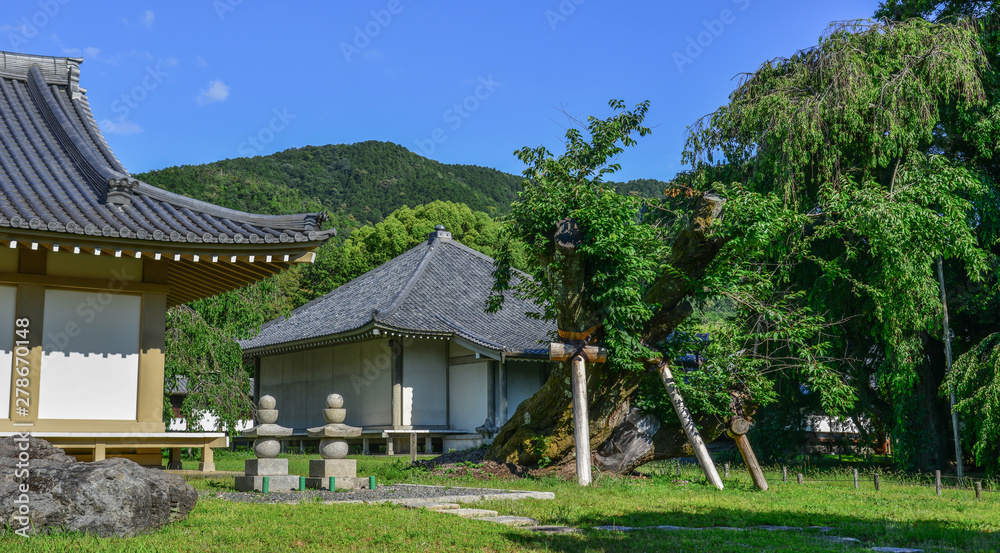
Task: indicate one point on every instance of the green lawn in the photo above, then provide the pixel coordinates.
(898, 515)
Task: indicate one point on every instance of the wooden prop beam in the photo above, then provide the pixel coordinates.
(737, 431)
(697, 444)
(581, 418)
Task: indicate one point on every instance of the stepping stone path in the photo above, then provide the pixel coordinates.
(527, 523)
(770, 528)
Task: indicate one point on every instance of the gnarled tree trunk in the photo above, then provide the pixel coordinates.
(541, 430)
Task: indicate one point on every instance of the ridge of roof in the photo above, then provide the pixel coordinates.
(405, 290)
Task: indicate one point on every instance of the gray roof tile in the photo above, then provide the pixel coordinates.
(58, 174)
(438, 287)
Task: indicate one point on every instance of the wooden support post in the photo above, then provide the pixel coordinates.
(937, 482)
(388, 446)
(687, 423)
(856, 478)
(677, 465)
(876, 483)
(175, 459)
(737, 431)
(725, 467)
(581, 421)
(427, 445)
(979, 490)
(99, 451)
(784, 474)
(413, 447)
(799, 477)
(207, 463)
(366, 446)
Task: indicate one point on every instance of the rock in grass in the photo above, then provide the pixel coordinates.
(114, 497)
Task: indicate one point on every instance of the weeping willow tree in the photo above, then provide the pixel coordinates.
(841, 143)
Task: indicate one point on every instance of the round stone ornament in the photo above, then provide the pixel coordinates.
(334, 416)
(332, 449)
(334, 401)
(267, 416)
(267, 448)
(267, 402)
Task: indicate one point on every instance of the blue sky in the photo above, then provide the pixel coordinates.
(188, 82)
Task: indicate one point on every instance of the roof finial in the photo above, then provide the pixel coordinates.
(439, 234)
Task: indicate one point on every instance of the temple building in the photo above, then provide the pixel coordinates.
(91, 259)
(409, 347)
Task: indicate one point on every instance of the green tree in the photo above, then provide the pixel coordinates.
(839, 142)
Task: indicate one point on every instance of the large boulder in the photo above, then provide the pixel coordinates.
(114, 497)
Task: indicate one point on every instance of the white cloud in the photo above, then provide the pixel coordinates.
(120, 126)
(146, 19)
(217, 91)
(200, 61)
(91, 52)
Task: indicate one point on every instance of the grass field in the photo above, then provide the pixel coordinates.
(899, 515)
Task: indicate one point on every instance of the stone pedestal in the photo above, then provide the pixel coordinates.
(319, 468)
(266, 447)
(279, 483)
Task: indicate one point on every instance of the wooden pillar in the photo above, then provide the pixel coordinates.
(207, 463)
(737, 431)
(581, 421)
(100, 451)
(687, 423)
(413, 447)
(388, 446)
(366, 446)
(937, 482)
(175, 459)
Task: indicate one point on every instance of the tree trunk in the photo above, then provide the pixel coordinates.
(541, 430)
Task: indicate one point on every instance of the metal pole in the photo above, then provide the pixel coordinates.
(947, 356)
(581, 421)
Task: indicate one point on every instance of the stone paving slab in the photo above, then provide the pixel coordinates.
(550, 529)
(511, 520)
(896, 550)
(471, 513)
(429, 505)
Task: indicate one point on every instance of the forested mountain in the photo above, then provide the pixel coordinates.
(356, 183)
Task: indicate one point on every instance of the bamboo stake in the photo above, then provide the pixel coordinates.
(694, 438)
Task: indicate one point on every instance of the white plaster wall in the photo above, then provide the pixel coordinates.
(361, 372)
(469, 403)
(424, 383)
(90, 356)
(375, 370)
(523, 380)
(8, 301)
(347, 380)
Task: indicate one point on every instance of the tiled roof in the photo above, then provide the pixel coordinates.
(57, 174)
(437, 288)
